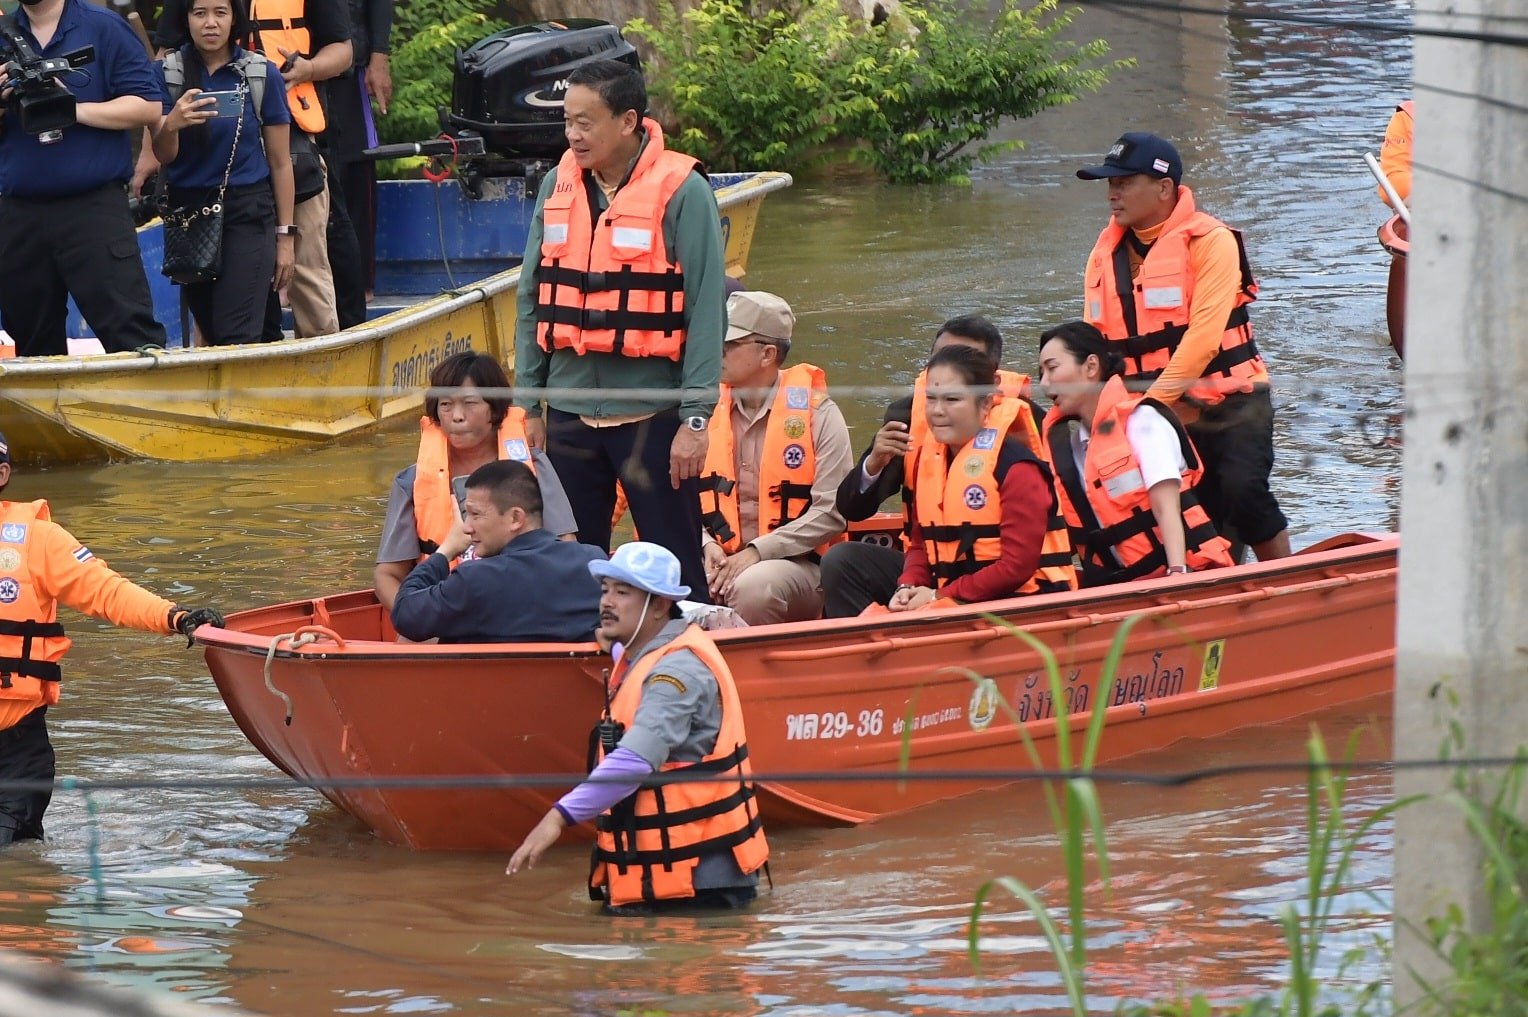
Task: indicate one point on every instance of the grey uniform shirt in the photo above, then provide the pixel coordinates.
(400, 537)
(678, 720)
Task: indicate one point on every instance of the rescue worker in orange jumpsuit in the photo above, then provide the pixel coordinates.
(1169, 287)
(675, 708)
(1395, 161)
(1395, 154)
(40, 565)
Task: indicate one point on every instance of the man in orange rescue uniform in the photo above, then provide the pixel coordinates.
(41, 564)
(675, 709)
(1169, 286)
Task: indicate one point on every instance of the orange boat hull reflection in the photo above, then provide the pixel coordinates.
(1213, 652)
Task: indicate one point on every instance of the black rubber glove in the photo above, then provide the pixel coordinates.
(186, 621)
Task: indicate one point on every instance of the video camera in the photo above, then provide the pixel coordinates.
(46, 106)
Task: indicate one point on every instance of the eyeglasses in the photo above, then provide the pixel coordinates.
(750, 342)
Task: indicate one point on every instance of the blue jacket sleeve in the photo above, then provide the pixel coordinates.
(433, 601)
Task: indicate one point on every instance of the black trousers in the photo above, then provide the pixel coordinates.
(25, 754)
(81, 246)
(1235, 440)
(357, 177)
(344, 255)
(231, 308)
(589, 460)
(856, 574)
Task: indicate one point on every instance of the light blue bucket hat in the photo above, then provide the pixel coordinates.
(651, 568)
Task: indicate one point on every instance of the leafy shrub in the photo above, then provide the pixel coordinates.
(914, 98)
(426, 36)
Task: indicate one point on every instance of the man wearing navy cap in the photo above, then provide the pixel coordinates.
(674, 708)
(1169, 287)
(42, 564)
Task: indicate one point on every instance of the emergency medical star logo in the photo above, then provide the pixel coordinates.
(9, 590)
(976, 498)
(794, 456)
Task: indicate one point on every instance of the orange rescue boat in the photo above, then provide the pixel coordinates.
(1213, 652)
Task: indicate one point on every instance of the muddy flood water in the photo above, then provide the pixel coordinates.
(275, 901)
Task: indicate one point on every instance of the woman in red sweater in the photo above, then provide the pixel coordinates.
(979, 499)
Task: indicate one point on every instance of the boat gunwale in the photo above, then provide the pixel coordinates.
(1201, 585)
(35, 369)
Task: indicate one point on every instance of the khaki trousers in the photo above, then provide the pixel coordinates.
(782, 590)
(311, 292)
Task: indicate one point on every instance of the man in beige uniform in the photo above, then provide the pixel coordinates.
(779, 449)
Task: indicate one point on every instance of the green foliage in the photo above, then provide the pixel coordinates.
(426, 36)
(915, 98)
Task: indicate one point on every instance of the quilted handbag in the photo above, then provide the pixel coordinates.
(193, 244)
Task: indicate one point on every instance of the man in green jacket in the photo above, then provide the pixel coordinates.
(621, 316)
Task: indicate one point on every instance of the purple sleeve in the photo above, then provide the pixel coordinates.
(590, 799)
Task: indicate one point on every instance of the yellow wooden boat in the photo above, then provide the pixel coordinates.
(232, 401)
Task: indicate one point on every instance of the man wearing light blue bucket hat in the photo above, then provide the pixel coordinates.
(673, 708)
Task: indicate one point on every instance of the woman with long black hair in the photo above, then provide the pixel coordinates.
(234, 155)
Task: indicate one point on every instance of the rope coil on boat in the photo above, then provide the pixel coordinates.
(300, 637)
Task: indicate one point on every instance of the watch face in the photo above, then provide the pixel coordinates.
(695, 423)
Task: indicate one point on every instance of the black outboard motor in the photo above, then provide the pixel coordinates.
(508, 90)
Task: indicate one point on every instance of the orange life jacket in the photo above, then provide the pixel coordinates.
(32, 642)
(1108, 507)
(283, 25)
(1145, 318)
(611, 285)
(647, 846)
(787, 469)
(433, 513)
(960, 510)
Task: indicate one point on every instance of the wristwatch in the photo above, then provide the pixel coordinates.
(288, 231)
(696, 423)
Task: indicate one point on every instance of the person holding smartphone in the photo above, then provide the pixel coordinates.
(226, 115)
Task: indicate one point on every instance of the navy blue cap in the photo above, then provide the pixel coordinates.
(1138, 152)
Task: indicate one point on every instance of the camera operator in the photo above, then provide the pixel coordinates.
(65, 227)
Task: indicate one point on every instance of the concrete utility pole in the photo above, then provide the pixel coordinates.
(1463, 624)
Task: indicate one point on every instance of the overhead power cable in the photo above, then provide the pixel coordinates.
(1171, 778)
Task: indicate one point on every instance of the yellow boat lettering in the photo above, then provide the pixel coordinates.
(413, 371)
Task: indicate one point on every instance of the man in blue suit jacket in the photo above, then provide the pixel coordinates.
(523, 585)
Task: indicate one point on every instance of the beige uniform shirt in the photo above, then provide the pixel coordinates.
(835, 458)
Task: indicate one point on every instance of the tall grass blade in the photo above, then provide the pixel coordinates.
(1071, 979)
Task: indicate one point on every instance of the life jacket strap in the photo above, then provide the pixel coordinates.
(589, 319)
(671, 281)
(42, 670)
